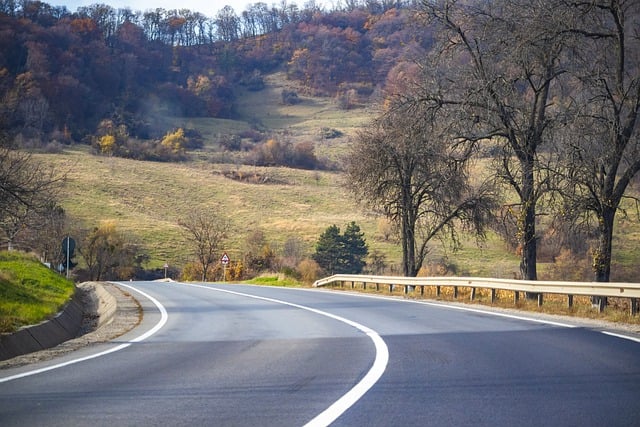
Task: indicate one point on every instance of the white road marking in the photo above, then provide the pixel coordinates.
(340, 406)
(150, 332)
(488, 312)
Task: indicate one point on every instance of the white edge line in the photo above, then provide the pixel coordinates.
(156, 328)
(340, 406)
(489, 313)
(617, 335)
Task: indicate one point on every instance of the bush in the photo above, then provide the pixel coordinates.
(290, 97)
(309, 271)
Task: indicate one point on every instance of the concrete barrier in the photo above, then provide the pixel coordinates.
(65, 326)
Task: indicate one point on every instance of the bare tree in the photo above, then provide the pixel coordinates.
(27, 189)
(406, 166)
(498, 69)
(206, 230)
(603, 147)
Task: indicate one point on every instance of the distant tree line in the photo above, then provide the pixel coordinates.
(64, 73)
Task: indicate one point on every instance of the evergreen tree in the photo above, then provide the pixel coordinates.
(355, 249)
(341, 253)
(329, 250)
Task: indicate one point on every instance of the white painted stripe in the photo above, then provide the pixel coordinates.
(487, 312)
(330, 414)
(150, 332)
(623, 336)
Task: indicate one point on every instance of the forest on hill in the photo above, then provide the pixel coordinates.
(72, 77)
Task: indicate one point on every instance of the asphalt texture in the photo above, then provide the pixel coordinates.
(227, 359)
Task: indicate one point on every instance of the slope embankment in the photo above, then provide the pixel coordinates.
(93, 306)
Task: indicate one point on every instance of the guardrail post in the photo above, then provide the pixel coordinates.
(438, 290)
(633, 302)
(540, 300)
(516, 297)
(455, 292)
(570, 301)
(364, 286)
(473, 293)
(493, 296)
(377, 286)
(406, 289)
(421, 290)
(391, 288)
(353, 284)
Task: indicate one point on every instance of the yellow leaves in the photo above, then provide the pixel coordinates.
(199, 85)
(107, 144)
(175, 141)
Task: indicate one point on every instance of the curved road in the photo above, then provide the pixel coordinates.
(234, 355)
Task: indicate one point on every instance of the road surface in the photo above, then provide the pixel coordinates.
(236, 355)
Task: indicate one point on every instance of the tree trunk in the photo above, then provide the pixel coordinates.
(528, 268)
(408, 245)
(602, 254)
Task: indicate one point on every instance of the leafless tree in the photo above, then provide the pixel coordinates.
(498, 69)
(206, 230)
(27, 190)
(405, 165)
(603, 146)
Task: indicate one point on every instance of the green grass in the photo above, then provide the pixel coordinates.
(279, 280)
(29, 291)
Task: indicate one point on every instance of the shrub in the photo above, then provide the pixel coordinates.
(309, 270)
(290, 97)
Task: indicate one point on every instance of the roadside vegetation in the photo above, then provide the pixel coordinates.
(29, 291)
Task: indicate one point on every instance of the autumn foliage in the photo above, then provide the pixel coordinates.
(65, 73)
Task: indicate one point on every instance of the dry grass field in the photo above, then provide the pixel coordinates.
(147, 199)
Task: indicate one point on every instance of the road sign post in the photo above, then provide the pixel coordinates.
(224, 261)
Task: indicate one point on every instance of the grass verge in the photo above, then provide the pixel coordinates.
(278, 280)
(29, 291)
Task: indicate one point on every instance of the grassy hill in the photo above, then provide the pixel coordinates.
(147, 199)
(29, 291)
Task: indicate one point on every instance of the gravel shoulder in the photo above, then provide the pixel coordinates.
(95, 328)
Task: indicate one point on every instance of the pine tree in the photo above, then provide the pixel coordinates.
(329, 250)
(341, 253)
(355, 249)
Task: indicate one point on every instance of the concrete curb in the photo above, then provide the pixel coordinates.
(65, 326)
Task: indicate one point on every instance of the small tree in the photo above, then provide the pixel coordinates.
(175, 141)
(100, 249)
(329, 250)
(206, 231)
(337, 253)
(355, 248)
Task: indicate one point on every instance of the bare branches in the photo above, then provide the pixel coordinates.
(206, 230)
(407, 165)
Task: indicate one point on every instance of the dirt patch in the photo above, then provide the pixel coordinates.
(94, 330)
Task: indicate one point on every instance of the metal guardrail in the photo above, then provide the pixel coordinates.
(603, 289)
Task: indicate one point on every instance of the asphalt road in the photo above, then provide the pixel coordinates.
(232, 355)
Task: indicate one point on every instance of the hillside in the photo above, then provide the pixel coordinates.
(146, 199)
